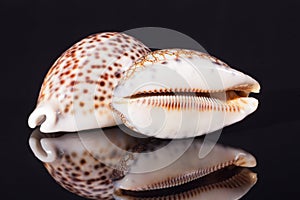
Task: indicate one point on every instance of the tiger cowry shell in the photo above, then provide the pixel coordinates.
(77, 90)
(178, 93)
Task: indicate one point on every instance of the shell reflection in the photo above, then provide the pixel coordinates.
(109, 164)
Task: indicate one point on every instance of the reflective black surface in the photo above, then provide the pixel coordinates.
(260, 38)
(169, 169)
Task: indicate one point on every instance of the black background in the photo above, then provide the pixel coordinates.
(260, 38)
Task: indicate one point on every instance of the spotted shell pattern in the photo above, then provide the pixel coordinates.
(83, 175)
(176, 54)
(81, 81)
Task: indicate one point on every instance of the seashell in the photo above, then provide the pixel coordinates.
(108, 164)
(178, 93)
(77, 90)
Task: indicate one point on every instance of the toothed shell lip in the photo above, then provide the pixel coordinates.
(241, 160)
(231, 174)
(252, 86)
(161, 97)
(234, 178)
(247, 88)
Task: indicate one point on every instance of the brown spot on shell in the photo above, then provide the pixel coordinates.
(102, 83)
(78, 179)
(82, 161)
(102, 98)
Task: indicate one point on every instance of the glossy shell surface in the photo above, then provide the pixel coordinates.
(178, 93)
(77, 90)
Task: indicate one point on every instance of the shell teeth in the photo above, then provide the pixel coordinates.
(181, 102)
(246, 88)
(176, 90)
(218, 171)
(237, 184)
(185, 178)
(187, 168)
